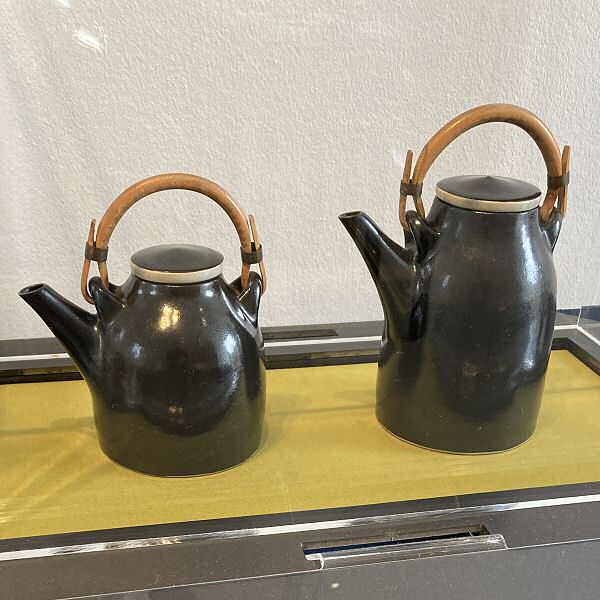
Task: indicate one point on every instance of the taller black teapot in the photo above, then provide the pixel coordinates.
(470, 301)
(174, 356)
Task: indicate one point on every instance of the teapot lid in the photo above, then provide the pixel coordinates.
(177, 263)
(488, 194)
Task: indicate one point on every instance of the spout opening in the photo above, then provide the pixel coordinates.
(31, 289)
(350, 215)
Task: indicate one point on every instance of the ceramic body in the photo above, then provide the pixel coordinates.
(176, 372)
(469, 314)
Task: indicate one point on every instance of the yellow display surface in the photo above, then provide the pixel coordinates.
(322, 448)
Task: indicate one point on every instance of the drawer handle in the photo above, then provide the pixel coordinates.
(337, 554)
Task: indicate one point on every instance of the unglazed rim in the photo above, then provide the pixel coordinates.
(486, 205)
(176, 277)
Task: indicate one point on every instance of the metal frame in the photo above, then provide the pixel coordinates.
(211, 557)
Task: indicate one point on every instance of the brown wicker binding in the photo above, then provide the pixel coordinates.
(556, 165)
(245, 227)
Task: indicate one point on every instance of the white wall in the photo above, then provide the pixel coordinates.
(301, 110)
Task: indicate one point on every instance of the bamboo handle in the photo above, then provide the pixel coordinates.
(158, 183)
(556, 165)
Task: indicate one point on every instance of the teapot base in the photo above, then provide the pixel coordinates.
(458, 452)
(188, 472)
(182, 475)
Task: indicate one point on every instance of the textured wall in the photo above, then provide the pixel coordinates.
(301, 110)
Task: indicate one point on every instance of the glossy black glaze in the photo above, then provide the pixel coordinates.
(177, 258)
(176, 372)
(469, 313)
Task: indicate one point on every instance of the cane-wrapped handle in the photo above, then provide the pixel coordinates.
(556, 165)
(97, 243)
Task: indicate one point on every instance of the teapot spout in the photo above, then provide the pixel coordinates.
(74, 327)
(392, 267)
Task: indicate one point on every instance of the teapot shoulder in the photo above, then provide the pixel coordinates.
(196, 313)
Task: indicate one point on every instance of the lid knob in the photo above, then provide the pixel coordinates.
(177, 264)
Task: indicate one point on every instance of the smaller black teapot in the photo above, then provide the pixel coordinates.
(174, 356)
